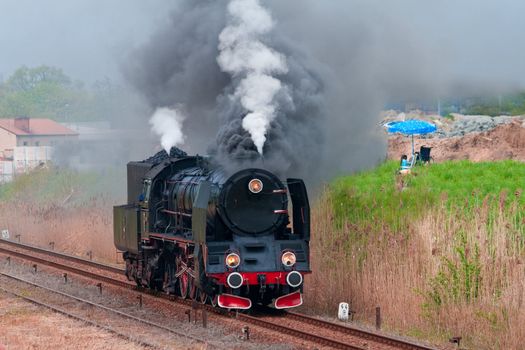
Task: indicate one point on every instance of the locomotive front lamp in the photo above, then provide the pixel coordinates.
(288, 259)
(255, 186)
(233, 260)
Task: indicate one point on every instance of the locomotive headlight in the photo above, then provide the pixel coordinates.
(288, 259)
(233, 260)
(255, 186)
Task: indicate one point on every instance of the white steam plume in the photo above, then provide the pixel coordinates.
(243, 55)
(167, 123)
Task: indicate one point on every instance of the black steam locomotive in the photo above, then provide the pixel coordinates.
(192, 230)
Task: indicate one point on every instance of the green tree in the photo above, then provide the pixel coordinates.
(26, 79)
(47, 92)
(44, 92)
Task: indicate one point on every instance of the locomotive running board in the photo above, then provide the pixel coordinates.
(290, 300)
(228, 301)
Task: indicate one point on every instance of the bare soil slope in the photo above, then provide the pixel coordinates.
(506, 141)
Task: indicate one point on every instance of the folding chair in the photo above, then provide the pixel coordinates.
(424, 154)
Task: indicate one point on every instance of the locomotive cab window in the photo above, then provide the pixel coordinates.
(146, 191)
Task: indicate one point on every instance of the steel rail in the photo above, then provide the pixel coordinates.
(333, 343)
(67, 268)
(369, 335)
(365, 335)
(66, 256)
(105, 308)
(79, 318)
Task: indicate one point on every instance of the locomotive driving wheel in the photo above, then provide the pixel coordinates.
(197, 294)
(191, 287)
(202, 297)
(214, 300)
(183, 277)
(153, 273)
(184, 285)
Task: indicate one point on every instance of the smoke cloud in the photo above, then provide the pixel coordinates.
(167, 123)
(246, 90)
(302, 81)
(243, 55)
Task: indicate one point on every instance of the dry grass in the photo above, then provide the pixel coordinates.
(449, 274)
(75, 229)
(25, 326)
(71, 209)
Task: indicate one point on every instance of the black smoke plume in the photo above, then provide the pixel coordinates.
(334, 87)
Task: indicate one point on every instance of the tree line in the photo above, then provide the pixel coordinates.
(47, 92)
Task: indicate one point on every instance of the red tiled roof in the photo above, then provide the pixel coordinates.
(37, 126)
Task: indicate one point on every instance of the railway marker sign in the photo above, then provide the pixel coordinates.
(5, 234)
(343, 311)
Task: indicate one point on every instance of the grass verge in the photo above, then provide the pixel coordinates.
(69, 208)
(442, 251)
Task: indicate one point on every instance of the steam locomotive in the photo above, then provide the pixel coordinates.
(190, 228)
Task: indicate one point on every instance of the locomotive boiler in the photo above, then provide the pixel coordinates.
(192, 229)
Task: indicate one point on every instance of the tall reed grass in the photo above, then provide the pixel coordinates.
(71, 209)
(440, 258)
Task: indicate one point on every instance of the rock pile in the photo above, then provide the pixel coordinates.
(466, 124)
(457, 126)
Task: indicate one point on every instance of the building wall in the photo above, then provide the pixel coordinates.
(7, 169)
(29, 157)
(42, 140)
(7, 140)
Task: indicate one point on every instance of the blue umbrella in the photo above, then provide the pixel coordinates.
(411, 127)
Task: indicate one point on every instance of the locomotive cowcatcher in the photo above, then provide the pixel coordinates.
(191, 229)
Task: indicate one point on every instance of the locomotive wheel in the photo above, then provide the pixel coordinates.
(184, 279)
(184, 287)
(202, 297)
(213, 300)
(192, 289)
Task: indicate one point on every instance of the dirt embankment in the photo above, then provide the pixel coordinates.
(506, 141)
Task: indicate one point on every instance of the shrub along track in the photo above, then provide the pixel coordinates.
(303, 328)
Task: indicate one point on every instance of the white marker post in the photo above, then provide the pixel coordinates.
(343, 312)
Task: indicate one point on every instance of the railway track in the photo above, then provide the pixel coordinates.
(64, 256)
(122, 324)
(375, 337)
(300, 326)
(39, 257)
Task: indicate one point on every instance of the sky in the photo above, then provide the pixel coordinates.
(469, 41)
(348, 58)
(475, 40)
(86, 38)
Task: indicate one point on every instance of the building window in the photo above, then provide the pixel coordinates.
(25, 143)
(37, 143)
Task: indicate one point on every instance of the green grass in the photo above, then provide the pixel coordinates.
(372, 199)
(442, 249)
